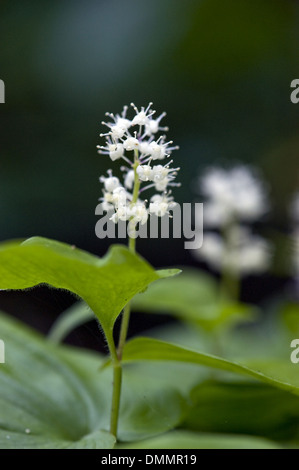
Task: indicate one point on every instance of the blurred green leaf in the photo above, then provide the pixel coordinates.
(57, 396)
(244, 408)
(193, 297)
(191, 440)
(45, 403)
(70, 319)
(290, 317)
(106, 284)
(281, 375)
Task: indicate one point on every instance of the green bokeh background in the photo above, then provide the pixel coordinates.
(220, 68)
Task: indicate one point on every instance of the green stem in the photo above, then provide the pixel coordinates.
(116, 356)
(230, 279)
(123, 330)
(230, 285)
(132, 247)
(117, 380)
(132, 244)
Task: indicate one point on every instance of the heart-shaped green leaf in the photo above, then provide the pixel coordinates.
(106, 284)
(193, 297)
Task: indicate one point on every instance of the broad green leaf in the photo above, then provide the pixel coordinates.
(150, 404)
(44, 402)
(22, 440)
(192, 297)
(60, 395)
(244, 408)
(191, 440)
(106, 284)
(280, 375)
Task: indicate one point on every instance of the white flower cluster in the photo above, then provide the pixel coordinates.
(134, 141)
(244, 254)
(234, 196)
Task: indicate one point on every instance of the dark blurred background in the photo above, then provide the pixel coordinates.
(221, 69)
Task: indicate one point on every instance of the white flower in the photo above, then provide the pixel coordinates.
(131, 143)
(160, 205)
(121, 140)
(142, 117)
(161, 176)
(119, 196)
(122, 212)
(159, 150)
(120, 125)
(153, 125)
(115, 151)
(232, 194)
(139, 213)
(160, 172)
(123, 123)
(117, 132)
(129, 179)
(107, 201)
(255, 257)
(110, 183)
(212, 250)
(215, 214)
(144, 148)
(145, 173)
(161, 184)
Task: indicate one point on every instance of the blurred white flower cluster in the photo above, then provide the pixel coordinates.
(244, 254)
(233, 197)
(135, 141)
(294, 212)
(234, 194)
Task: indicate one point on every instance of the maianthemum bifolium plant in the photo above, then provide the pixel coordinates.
(140, 150)
(205, 382)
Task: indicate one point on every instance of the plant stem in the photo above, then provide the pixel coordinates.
(123, 330)
(230, 278)
(117, 380)
(230, 285)
(116, 356)
(132, 248)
